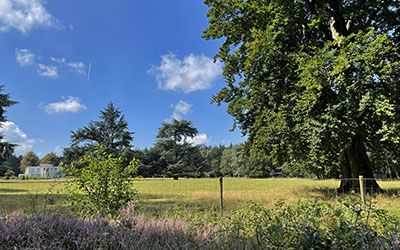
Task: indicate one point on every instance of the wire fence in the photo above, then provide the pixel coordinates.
(161, 194)
(229, 193)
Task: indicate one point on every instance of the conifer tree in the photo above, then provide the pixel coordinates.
(111, 132)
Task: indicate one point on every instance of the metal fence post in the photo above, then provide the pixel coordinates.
(221, 194)
(362, 190)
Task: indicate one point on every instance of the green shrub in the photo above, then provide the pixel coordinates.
(101, 184)
(311, 225)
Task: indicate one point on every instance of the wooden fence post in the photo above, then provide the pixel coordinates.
(221, 194)
(362, 190)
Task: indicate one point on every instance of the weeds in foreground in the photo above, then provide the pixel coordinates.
(304, 225)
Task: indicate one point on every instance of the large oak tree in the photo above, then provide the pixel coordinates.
(312, 83)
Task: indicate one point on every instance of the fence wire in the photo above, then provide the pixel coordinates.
(203, 193)
(162, 194)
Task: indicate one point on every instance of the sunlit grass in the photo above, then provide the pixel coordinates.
(156, 196)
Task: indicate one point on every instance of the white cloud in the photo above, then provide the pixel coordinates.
(199, 139)
(192, 73)
(57, 65)
(68, 105)
(181, 108)
(49, 71)
(24, 15)
(58, 60)
(13, 134)
(77, 67)
(24, 57)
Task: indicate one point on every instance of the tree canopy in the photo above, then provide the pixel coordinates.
(311, 83)
(177, 155)
(51, 158)
(29, 159)
(177, 130)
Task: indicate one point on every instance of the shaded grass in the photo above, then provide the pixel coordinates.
(157, 197)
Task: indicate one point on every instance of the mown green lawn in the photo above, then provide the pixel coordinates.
(161, 196)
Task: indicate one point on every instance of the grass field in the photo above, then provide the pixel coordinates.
(159, 196)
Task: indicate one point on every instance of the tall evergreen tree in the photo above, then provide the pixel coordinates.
(111, 132)
(177, 130)
(6, 149)
(312, 83)
(12, 164)
(179, 156)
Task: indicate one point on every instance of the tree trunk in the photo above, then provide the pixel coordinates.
(355, 162)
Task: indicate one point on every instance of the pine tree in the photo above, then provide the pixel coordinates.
(6, 149)
(110, 132)
(178, 155)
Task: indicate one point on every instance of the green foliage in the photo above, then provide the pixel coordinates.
(151, 163)
(306, 78)
(111, 133)
(177, 130)
(103, 186)
(51, 158)
(311, 225)
(177, 155)
(11, 165)
(6, 149)
(29, 159)
(212, 159)
(232, 161)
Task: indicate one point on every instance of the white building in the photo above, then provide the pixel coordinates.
(47, 171)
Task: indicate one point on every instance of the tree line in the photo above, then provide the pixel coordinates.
(173, 154)
(15, 165)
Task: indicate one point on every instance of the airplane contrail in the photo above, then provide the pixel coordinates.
(89, 73)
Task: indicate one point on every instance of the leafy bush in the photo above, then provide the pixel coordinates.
(101, 184)
(312, 225)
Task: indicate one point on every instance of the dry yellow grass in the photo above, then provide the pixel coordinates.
(160, 195)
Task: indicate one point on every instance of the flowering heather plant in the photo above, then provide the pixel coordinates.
(307, 225)
(19, 231)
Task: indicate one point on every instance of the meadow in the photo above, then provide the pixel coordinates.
(163, 197)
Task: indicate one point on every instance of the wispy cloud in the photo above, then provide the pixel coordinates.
(68, 105)
(61, 60)
(77, 67)
(49, 67)
(180, 109)
(13, 134)
(49, 71)
(192, 73)
(199, 139)
(24, 15)
(24, 57)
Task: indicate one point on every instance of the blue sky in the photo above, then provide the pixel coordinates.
(63, 61)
